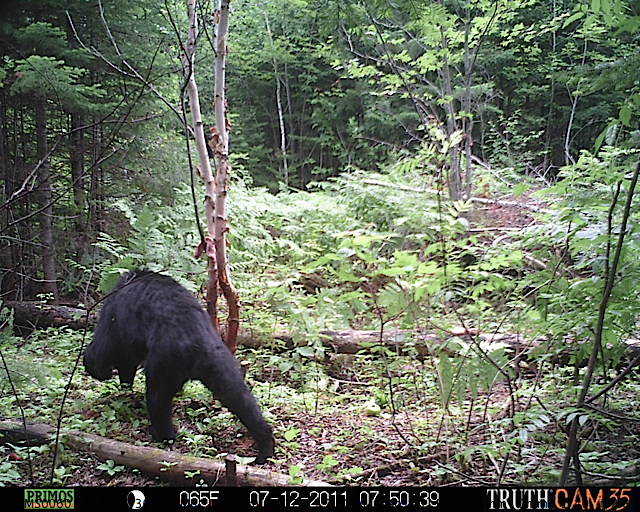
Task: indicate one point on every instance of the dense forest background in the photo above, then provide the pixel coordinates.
(90, 99)
(458, 167)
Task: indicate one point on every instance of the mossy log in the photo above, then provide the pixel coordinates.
(169, 466)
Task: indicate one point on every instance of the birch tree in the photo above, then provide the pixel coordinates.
(216, 188)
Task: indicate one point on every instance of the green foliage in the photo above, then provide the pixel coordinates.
(8, 473)
(320, 111)
(476, 366)
(386, 106)
(589, 207)
(25, 370)
(44, 72)
(159, 239)
(289, 228)
(328, 462)
(110, 467)
(530, 86)
(296, 475)
(47, 77)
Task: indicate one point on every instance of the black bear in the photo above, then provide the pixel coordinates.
(152, 320)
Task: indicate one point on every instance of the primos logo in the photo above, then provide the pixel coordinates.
(49, 498)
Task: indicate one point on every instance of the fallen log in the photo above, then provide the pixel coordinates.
(340, 341)
(32, 315)
(169, 466)
(36, 315)
(350, 341)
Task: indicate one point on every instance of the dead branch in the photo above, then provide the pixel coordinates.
(480, 200)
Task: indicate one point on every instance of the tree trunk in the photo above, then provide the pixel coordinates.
(547, 161)
(467, 122)
(215, 189)
(33, 315)
(8, 277)
(221, 152)
(46, 216)
(454, 176)
(283, 138)
(28, 316)
(76, 159)
(96, 217)
(205, 165)
(574, 97)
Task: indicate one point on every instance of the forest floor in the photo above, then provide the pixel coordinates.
(327, 435)
(329, 443)
(385, 450)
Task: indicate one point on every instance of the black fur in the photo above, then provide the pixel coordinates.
(151, 319)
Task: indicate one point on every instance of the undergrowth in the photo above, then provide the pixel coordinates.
(487, 332)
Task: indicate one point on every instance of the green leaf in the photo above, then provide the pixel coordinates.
(294, 470)
(345, 252)
(625, 115)
(394, 271)
(290, 435)
(446, 374)
(572, 18)
(362, 240)
(305, 351)
(519, 189)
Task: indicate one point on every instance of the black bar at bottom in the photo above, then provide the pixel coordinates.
(612, 499)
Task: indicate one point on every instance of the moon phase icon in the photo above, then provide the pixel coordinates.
(135, 500)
